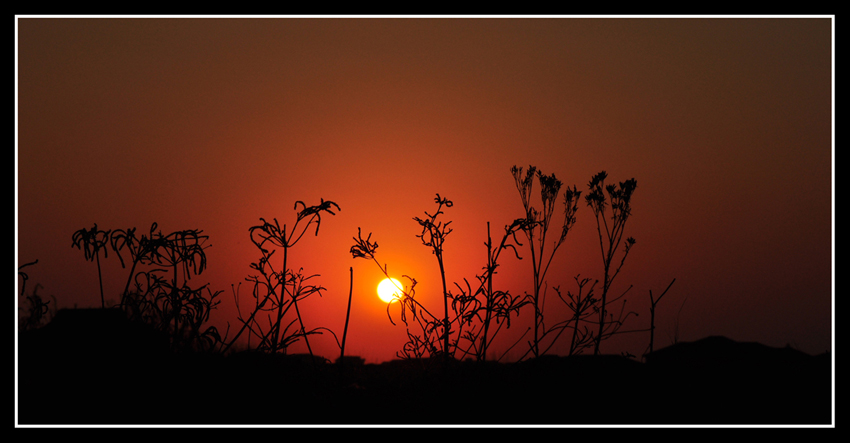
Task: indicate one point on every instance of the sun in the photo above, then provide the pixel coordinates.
(388, 289)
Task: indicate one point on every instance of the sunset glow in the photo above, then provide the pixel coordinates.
(388, 289)
(212, 204)
(220, 125)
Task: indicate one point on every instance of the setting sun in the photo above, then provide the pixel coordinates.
(388, 289)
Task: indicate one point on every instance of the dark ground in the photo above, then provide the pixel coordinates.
(70, 372)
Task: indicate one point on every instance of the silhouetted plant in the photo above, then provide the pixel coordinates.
(347, 316)
(429, 343)
(179, 310)
(582, 308)
(24, 275)
(36, 311)
(163, 297)
(585, 310)
(466, 305)
(433, 235)
(497, 305)
(275, 291)
(468, 314)
(653, 302)
(366, 249)
(620, 199)
(92, 241)
(536, 228)
(141, 251)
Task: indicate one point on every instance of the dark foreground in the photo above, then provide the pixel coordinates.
(80, 376)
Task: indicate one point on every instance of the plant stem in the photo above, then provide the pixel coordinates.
(445, 305)
(99, 279)
(605, 285)
(489, 294)
(280, 312)
(301, 323)
(347, 314)
(174, 307)
(653, 304)
(127, 286)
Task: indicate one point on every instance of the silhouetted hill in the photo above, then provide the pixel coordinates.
(718, 352)
(96, 367)
(741, 382)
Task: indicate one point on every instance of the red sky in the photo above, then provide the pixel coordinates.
(194, 123)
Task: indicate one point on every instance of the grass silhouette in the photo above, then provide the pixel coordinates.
(132, 362)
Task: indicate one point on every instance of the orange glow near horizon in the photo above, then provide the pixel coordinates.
(216, 124)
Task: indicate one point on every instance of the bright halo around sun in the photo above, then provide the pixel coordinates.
(388, 289)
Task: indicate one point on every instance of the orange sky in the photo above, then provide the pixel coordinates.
(725, 123)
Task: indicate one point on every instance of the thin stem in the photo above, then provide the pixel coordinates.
(301, 323)
(445, 306)
(99, 278)
(347, 314)
(283, 281)
(489, 295)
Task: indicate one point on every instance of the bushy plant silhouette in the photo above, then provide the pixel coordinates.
(170, 303)
(162, 296)
(278, 290)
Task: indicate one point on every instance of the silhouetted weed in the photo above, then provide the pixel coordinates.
(37, 312)
(158, 292)
(92, 241)
(276, 291)
(620, 204)
(430, 342)
(581, 307)
(537, 225)
(24, 275)
(653, 302)
(467, 313)
(162, 296)
(140, 250)
(167, 301)
(497, 305)
(366, 249)
(433, 235)
(342, 358)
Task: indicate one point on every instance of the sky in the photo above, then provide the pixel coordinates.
(726, 124)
